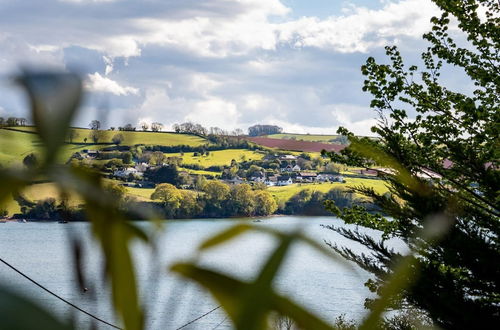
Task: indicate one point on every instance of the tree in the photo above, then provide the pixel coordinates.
(73, 134)
(12, 121)
(162, 174)
(127, 157)
(156, 127)
(30, 161)
(190, 206)
(242, 200)
(95, 124)
(128, 127)
(216, 194)
(170, 197)
(157, 158)
(95, 135)
(265, 204)
(2, 122)
(144, 126)
(21, 121)
(118, 138)
(442, 148)
(257, 130)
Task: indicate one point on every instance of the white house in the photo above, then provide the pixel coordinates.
(271, 181)
(258, 177)
(124, 173)
(284, 180)
(142, 167)
(324, 177)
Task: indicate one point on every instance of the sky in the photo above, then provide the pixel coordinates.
(225, 63)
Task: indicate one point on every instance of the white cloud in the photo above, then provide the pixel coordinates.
(360, 29)
(98, 83)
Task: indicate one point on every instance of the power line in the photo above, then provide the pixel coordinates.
(218, 325)
(57, 296)
(199, 317)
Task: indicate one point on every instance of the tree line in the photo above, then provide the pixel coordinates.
(12, 121)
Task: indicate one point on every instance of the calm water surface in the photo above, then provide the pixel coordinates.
(42, 250)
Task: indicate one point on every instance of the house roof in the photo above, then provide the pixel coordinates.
(308, 174)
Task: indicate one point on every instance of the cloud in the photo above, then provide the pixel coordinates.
(221, 62)
(98, 83)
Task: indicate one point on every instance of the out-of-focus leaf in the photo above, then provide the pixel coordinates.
(12, 182)
(225, 236)
(400, 279)
(239, 229)
(19, 313)
(230, 293)
(383, 159)
(114, 236)
(54, 99)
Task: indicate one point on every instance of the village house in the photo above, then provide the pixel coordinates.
(258, 176)
(284, 180)
(287, 158)
(329, 177)
(271, 181)
(126, 172)
(306, 176)
(234, 181)
(142, 167)
(92, 153)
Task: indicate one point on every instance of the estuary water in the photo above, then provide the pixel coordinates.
(43, 251)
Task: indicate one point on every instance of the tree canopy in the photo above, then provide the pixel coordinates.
(439, 149)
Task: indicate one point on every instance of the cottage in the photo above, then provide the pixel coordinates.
(92, 153)
(307, 176)
(271, 181)
(284, 180)
(286, 169)
(234, 181)
(296, 168)
(142, 167)
(258, 177)
(126, 172)
(329, 177)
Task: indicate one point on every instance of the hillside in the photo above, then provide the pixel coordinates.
(295, 145)
(306, 137)
(135, 137)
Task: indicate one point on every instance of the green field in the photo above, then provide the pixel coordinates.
(284, 193)
(219, 157)
(142, 194)
(304, 137)
(137, 137)
(14, 146)
(200, 172)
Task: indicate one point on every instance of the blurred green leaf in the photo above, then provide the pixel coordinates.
(54, 100)
(20, 313)
(236, 230)
(225, 236)
(231, 293)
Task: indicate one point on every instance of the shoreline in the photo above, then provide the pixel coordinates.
(251, 218)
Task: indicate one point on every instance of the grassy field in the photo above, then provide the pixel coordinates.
(284, 193)
(304, 137)
(38, 192)
(142, 194)
(14, 146)
(137, 137)
(219, 157)
(200, 172)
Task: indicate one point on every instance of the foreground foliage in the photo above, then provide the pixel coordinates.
(442, 149)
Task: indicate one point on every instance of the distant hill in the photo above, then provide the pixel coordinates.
(295, 145)
(136, 137)
(336, 139)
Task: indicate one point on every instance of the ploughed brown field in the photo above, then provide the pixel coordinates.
(293, 145)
